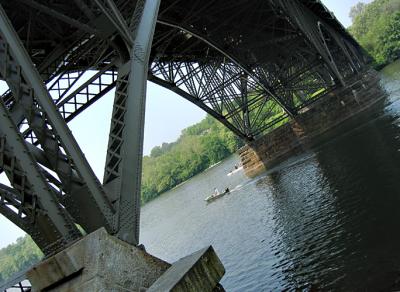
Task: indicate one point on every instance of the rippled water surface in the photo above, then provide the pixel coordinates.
(326, 220)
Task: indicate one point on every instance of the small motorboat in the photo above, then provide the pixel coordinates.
(235, 171)
(216, 196)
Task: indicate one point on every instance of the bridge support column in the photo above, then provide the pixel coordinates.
(101, 262)
(123, 170)
(313, 123)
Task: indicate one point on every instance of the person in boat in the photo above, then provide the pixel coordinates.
(236, 166)
(227, 190)
(216, 192)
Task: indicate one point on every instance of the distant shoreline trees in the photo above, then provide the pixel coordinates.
(198, 147)
(18, 256)
(376, 26)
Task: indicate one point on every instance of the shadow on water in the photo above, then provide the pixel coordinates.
(337, 213)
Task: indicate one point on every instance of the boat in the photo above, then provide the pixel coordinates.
(235, 171)
(215, 196)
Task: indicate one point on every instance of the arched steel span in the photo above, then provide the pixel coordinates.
(250, 64)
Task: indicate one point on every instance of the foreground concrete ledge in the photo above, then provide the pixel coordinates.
(101, 262)
(200, 271)
(98, 262)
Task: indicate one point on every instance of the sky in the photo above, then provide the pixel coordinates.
(166, 115)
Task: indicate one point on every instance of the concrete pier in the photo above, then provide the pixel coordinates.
(101, 262)
(360, 94)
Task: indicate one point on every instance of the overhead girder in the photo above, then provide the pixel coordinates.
(208, 42)
(247, 69)
(279, 90)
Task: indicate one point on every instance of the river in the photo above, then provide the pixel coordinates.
(325, 220)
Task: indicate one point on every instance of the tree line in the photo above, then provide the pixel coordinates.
(18, 256)
(198, 147)
(376, 26)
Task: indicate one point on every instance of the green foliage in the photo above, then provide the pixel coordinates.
(356, 10)
(376, 26)
(198, 147)
(18, 256)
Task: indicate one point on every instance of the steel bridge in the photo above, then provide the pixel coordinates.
(249, 63)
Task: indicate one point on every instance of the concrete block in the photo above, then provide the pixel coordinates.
(198, 272)
(98, 262)
(102, 263)
(54, 270)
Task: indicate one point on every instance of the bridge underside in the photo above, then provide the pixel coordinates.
(249, 64)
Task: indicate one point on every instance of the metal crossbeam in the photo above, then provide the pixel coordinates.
(88, 93)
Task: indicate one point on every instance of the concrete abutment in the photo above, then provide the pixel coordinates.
(101, 262)
(361, 93)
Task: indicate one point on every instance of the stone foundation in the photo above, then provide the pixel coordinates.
(338, 106)
(101, 262)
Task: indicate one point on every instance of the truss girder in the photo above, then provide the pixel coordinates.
(310, 25)
(52, 134)
(33, 189)
(89, 92)
(229, 55)
(221, 88)
(25, 212)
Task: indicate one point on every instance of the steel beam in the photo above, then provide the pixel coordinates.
(58, 15)
(114, 16)
(200, 104)
(125, 148)
(89, 92)
(35, 184)
(52, 130)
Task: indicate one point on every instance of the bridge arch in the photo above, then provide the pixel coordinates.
(223, 86)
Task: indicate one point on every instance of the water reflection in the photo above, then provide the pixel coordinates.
(364, 167)
(336, 213)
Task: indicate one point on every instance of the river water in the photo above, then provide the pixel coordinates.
(325, 220)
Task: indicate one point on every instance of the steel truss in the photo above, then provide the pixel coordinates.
(249, 66)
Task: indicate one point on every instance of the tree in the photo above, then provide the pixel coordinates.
(18, 256)
(390, 39)
(377, 29)
(356, 10)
